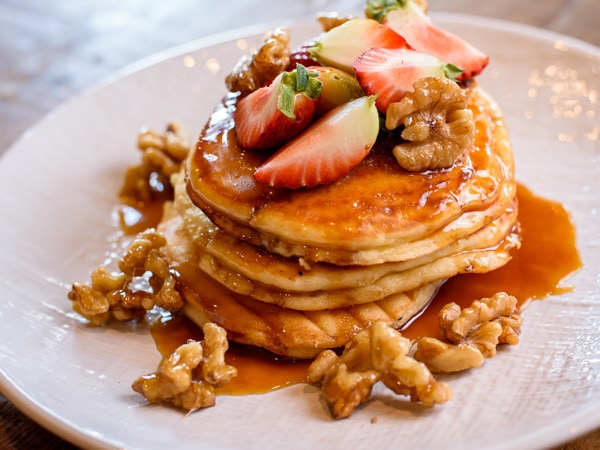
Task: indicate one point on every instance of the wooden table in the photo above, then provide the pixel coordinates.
(50, 51)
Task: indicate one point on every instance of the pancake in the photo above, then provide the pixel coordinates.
(377, 213)
(292, 283)
(296, 271)
(282, 331)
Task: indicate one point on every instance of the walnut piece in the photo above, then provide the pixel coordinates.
(377, 353)
(456, 324)
(331, 20)
(254, 71)
(474, 334)
(123, 294)
(187, 378)
(162, 155)
(438, 126)
(174, 142)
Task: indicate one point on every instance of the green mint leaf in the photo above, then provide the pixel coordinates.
(305, 82)
(298, 81)
(286, 100)
(302, 77)
(378, 9)
(451, 71)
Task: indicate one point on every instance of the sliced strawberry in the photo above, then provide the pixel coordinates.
(340, 46)
(327, 150)
(301, 55)
(408, 19)
(274, 114)
(391, 73)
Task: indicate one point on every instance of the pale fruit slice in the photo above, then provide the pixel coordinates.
(337, 88)
(327, 150)
(340, 46)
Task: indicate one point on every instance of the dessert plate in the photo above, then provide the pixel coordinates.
(58, 192)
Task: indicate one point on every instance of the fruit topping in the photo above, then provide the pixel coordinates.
(276, 113)
(260, 68)
(409, 20)
(327, 150)
(338, 87)
(390, 73)
(340, 46)
(438, 126)
(301, 55)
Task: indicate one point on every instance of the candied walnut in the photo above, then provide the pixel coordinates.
(474, 334)
(254, 71)
(214, 369)
(121, 293)
(443, 357)
(174, 143)
(456, 324)
(347, 380)
(187, 378)
(377, 353)
(331, 20)
(438, 126)
(162, 155)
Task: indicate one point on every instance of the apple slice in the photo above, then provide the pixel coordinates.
(340, 46)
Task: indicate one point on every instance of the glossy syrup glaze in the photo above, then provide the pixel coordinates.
(548, 254)
(394, 206)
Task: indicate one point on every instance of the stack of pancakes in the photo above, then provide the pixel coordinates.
(297, 271)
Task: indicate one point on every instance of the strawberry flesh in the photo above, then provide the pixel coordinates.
(407, 19)
(340, 46)
(327, 150)
(302, 55)
(391, 73)
(274, 114)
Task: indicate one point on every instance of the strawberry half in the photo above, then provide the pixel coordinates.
(391, 73)
(327, 150)
(407, 19)
(340, 46)
(301, 55)
(274, 114)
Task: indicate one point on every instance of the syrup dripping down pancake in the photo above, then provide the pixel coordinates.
(297, 271)
(370, 216)
(289, 282)
(283, 331)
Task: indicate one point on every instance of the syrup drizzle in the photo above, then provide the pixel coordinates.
(548, 254)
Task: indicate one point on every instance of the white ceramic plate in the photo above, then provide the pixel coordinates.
(58, 188)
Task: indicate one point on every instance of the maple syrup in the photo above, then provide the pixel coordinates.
(547, 255)
(143, 195)
(258, 370)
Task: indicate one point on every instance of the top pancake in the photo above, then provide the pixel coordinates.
(366, 216)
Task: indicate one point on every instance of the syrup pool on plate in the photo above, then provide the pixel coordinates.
(547, 255)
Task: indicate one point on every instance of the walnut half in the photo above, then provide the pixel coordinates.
(438, 126)
(255, 70)
(377, 353)
(121, 293)
(473, 334)
(161, 156)
(187, 378)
